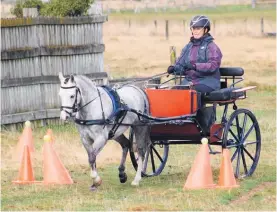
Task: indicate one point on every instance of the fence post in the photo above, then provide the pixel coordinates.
(214, 28)
(262, 25)
(184, 25)
(253, 4)
(172, 50)
(166, 29)
(155, 23)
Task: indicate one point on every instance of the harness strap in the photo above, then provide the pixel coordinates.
(103, 115)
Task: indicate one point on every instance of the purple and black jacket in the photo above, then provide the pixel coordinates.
(206, 56)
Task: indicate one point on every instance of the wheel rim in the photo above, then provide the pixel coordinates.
(242, 137)
(155, 157)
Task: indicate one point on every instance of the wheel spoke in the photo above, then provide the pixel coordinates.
(234, 155)
(234, 136)
(244, 162)
(238, 128)
(238, 163)
(243, 125)
(253, 142)
(152, 160)
(247, 134)
(248, 154)
(145, 162)
(157, 153)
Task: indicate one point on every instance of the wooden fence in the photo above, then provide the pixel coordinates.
(34, 51)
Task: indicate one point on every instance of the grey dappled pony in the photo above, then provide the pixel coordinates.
(82, 99)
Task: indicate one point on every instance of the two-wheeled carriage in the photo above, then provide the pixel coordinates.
(182, 116)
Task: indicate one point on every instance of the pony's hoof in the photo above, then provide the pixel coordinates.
(97, 181)
(93, 188)
(123, 177)
(134, 183)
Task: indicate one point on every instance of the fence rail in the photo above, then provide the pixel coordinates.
(34, 51)
(49, 86)
(41, 31)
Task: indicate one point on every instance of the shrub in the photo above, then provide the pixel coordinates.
(54, 7)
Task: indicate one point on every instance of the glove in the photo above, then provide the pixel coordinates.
(190, 66)
(170, 69)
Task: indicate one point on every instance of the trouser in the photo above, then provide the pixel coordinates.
(202, 88)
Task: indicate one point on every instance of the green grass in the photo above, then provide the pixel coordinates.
(164, 192)
(220, 12)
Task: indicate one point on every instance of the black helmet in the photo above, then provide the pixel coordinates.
(200, 21)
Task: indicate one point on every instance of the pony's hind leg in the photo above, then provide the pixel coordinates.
(142, 138)
(142, 141)
(125, 144)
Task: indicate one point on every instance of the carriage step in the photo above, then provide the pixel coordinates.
(214, 153)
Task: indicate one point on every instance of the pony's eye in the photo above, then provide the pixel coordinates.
(72, 96)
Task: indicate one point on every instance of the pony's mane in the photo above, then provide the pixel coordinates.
(85, 79)
(85, 84)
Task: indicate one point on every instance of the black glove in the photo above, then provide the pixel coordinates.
(170, 69)
(190, 66)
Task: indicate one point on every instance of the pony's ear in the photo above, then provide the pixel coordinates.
(93, 82)
(61, 76)
(71, 78)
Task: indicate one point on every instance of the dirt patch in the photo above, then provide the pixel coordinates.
(252, 192)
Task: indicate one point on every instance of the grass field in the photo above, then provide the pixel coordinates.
(145, 53)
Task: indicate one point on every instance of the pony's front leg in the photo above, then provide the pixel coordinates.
(96, 148)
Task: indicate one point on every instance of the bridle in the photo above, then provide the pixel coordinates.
(76, 106)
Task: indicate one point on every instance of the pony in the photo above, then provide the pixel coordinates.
(98, 120)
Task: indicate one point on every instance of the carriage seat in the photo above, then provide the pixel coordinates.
(223, 94)
(226, 93)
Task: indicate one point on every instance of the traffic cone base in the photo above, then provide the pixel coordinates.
(226, 175)
(26, 182)
(200, 187)
(200, 176)
(228, 187)
(54, 171)
(26, 175)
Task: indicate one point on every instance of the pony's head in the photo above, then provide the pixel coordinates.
(69, 95)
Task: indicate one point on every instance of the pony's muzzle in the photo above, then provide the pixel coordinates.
(64, 116)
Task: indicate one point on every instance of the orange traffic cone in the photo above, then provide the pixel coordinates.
(200, 176)
(50, 133)
(54, 171)
(25, 139)
(26, 175)
(226, 174)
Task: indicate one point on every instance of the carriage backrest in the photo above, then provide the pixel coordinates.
(232, 73)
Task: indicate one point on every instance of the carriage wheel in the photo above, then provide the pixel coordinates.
(155, 157)
(242, 136)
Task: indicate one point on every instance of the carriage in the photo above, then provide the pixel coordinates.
(179, 115)
(165, 114)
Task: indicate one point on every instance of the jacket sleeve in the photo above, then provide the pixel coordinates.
(214, 60)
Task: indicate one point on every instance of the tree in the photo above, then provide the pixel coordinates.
(18, 9)
(60, 8)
